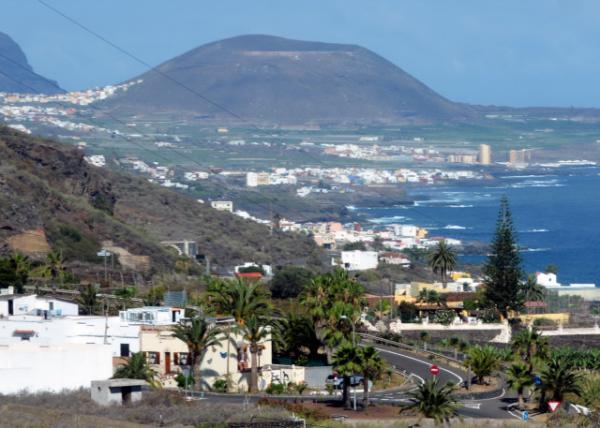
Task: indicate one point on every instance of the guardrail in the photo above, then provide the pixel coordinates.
(416, 349)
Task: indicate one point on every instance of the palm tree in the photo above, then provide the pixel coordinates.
(483, 361)
(559, 379)
(88, 299)
(199, 335)
(239, 299)
(530, 345)
(431, 296)
(347, 361)
(372, 368)
(518, 377)
(432, 400)
(442, 259)
(22, 267)
(531, 290)
(54, 268)
(382, 309)
(297, 335)
(135, 368)
(255, 331)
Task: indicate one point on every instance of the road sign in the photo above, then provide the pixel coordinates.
(434, 370)
(525, 415)
(537, 380)
(553, 405)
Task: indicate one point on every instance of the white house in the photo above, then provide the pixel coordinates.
(31, 304)
(548, 280)
(36, 368)
(222, 205)
(151, 315)
(359, 260)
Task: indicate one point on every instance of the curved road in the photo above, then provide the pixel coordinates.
(419, 367)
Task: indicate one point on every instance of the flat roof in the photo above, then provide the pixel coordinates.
(112, 383)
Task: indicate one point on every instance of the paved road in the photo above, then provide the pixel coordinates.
(419, 367)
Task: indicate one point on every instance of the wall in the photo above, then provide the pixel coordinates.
(77, 329)
(28, 366)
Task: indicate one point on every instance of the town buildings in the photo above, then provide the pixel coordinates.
(485, 154)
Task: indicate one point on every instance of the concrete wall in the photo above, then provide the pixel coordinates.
(35, 368)
(78, 329)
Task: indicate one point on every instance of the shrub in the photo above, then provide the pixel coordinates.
(489, 316)
(275, 389)
(544, 322)
(181, 380)
(220, 385)
(444, 317)
(289, 281)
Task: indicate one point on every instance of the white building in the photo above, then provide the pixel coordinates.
(34, 367)
(151, 315)
(31, 304)
(548, 280)
(252, 179)
(222, 205)
(359, 260)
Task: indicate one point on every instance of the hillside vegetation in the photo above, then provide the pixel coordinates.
(49, 186)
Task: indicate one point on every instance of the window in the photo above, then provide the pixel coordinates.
(124, 349)
(182, 358)
(154, 357)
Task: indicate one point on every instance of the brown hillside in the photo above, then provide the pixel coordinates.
(47, 185)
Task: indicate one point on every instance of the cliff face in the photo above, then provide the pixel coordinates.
(268, 79)
(48, 186)
(16, 75)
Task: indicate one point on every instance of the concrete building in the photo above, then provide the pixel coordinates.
(485, 154)
(251, 179)
(548, 280)
(151, 315)
(222, 205)
(117, 391)
(31, 304)
(27, 366)
(169, 356)
(359, 260)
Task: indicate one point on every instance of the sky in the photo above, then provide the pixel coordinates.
(509, 52)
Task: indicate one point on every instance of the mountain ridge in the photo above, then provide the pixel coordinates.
(17, 75)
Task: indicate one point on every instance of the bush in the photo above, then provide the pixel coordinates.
(275, 389)
(444, 317)
(289, 281)
(220, 385)
(544, 322)
(489, 316)
(181, 380)
(408, 311)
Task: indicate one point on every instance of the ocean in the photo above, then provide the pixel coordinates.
(556, 216)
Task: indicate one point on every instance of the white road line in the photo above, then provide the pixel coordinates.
(460, 379)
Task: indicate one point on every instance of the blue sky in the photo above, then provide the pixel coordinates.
(509, 52)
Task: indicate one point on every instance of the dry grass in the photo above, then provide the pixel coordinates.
(76, 409)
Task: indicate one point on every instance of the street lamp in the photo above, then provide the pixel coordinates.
(344, 317)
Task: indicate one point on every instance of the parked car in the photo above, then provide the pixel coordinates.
(337, 381)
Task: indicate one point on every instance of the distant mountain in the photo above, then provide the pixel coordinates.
(13, 63)
(268, 79)
(47, 189)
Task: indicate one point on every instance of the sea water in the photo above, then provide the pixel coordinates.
(556, 215)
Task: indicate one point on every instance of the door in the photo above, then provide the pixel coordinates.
(167, 362)
(11, 308)
(126, 394)
(124, 349)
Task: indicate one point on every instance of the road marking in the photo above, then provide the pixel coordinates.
(460, 379)
(476, 406)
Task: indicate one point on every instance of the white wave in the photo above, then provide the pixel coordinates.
(516, 177)
(534, 231)
(351, 207)
(460, 206)
(454, 227)
(537, 183)
(391, 219)
(534, 250)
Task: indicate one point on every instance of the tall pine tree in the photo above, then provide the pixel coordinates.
(502, 271)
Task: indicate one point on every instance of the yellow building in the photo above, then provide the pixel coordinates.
(485, 154)
(169, 356)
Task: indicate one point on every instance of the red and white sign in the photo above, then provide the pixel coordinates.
(434, 370)
(553, 405)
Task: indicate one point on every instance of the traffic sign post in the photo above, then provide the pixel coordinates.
(525, 415)
(434, 370)
(553, 405)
